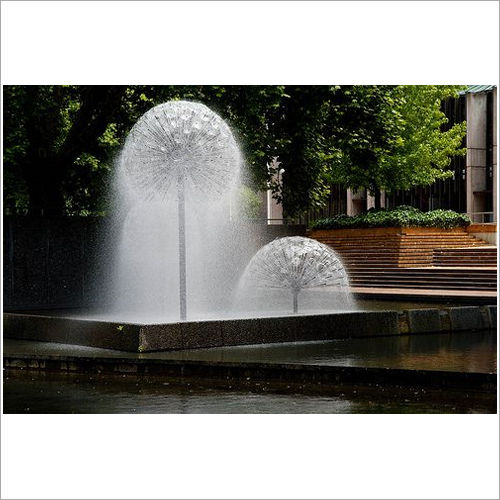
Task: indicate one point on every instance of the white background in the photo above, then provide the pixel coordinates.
(250, 456)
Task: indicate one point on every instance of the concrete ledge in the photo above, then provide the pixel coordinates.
(466, 318)
(415, 321)
(123, 337)
(423, 320)
(491, 316)
(197, 334)
(250, 373)
(466, 297)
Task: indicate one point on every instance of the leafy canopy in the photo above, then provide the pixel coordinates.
(60, 141)
(391, 137)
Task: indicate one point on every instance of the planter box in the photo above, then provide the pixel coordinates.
(394, 246)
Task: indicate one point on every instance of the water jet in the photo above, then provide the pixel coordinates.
(292, 264)
(176, 147)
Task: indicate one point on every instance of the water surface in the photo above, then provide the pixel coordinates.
(46, 392)
(459, 351)
(43, 392)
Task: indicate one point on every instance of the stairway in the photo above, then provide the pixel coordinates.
(426, 277)
(483, 256)
(430, 259)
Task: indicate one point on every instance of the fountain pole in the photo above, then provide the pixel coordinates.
(295, 292)
(181, 211)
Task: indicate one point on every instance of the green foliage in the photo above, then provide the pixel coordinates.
(363, 136)
(58, 146)
(60, 141)
(391, 137)
(402, 216)
(248, 203)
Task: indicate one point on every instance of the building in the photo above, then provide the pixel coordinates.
(471, 190)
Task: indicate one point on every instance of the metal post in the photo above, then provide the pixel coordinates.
(181, 209)
(295, 292)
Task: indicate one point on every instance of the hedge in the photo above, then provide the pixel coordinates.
(402, 216)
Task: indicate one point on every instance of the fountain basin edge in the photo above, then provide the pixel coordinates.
(136, 337)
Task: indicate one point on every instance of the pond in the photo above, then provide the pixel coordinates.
(48, 392)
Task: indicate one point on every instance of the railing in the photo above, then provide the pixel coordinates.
(482, 217)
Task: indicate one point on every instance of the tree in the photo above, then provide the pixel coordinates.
(60, 141)
(59, 126)
(299, 124)
(391, 137)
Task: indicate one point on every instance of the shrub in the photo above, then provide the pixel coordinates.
(402, 216)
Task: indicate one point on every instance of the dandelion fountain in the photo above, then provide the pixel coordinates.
(293, 264)
(180, 147)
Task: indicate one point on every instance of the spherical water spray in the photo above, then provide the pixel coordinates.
(180, 147)
(295, 263)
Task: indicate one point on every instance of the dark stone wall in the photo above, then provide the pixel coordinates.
(52, 263)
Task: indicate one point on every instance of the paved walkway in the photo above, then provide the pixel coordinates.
(408, 293)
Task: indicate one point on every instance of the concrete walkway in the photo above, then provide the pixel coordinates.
(472, 296)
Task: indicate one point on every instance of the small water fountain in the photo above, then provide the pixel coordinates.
(292, 264)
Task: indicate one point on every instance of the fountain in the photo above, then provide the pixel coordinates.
(179, 149)
(178, 165)
(180, 255)
(293, 264)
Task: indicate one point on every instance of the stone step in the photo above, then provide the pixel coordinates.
(395, 262)
(441, 286)
(465, 262)
(442, 254)
(387, 256)
(393, 277)
(423, 245)
(405, 252)
(466, 257)
(459, 253)
(430, 284)
(425, 284)
(477, 249)
(452, 237)
(432, 272)
(422, 261)
(427, 279)
(365, 242)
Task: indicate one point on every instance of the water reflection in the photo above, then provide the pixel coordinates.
(465, 351)
(45, 392)
(460, 351)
